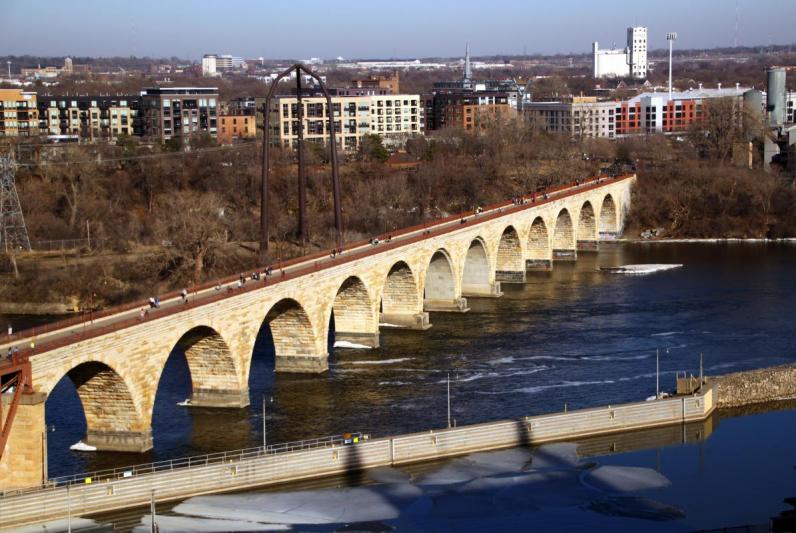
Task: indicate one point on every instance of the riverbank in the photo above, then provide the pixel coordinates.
(719, 240)
(762, 385)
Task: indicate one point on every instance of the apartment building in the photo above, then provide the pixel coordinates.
(237, 127)
(581, 116)
(179, 112)
(19, 115)
(394, 118)
(92, 118)
(465, 109)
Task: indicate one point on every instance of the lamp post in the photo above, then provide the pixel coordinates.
(671, 37)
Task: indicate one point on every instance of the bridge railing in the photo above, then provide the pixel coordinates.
(280, 275)
(196, 461)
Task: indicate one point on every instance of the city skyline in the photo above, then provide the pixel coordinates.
(361, 30)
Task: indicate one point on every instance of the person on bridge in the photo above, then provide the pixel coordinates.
(184, 295)
(10, 330)
(142, 314)
(9, 354)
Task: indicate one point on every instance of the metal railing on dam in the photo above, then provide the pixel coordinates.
(83, 495)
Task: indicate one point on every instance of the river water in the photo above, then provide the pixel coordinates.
(576, 337)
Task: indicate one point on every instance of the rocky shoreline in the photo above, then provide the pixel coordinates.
(763, 385)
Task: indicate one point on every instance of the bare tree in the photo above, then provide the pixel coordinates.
(191, 226)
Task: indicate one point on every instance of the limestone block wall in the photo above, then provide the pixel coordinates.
(22, 462)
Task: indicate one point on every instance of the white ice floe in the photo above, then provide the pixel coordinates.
(351, 345)
(611, 478)
(81, 446)
(57, 526)
(640, 269)
(652, 398)
(666, 334)
(167, 523)
(488, 491)
(388, 325)
(382, 361)
(186, 402)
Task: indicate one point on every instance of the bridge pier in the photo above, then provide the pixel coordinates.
(371, 340)
(510, 276)
(538, 265)
(453, 305)
(418, 321)
(565, 255)
(23, 460)
(302, 364)
(119, 441)
(490, 290)
(220, 398)
(588, 246)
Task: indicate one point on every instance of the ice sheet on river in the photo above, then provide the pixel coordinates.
(550, 487)
(639, 269)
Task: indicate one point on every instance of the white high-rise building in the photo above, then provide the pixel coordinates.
(623, 63)
(637, 45)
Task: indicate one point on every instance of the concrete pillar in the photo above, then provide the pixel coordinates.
(220, 398)
(366, 339)
(417, 321)
(489, 290)
(23, 461)
(538, 265)
(588, 246)
(302, 364)
(565, 255)
(120, 441)
(453, 305)
(510, 276)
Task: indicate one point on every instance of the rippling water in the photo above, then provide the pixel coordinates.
(575, 336)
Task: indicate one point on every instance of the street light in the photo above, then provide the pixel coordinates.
(671, 37)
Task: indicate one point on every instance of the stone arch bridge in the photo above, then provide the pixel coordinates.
(397, 282)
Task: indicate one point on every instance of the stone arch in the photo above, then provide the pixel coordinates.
(509, 264)
(476, 265)
(440, 285)
(294, 337)
(400, 299)
(587, 223)
(538, 240)
(114, 420)
(214, 373)
(609, 219)
(564, 236)
(354, 317)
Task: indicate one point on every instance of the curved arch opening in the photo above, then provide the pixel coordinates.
(609, 220)
(440, 284)
(91, 405)
(354, 318)
(510, 268)
(564, 237)
(587, 223)
(293, 335)
(538, 240)
(400, 299)
(476, 266)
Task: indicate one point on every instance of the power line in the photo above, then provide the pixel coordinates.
(138, 157)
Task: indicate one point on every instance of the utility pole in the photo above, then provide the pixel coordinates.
(153, 526)
(449, 400)
(671, 37)
(657, 374)
(9, 69)
(264, 424)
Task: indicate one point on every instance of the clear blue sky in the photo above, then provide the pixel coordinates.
(376, 29)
